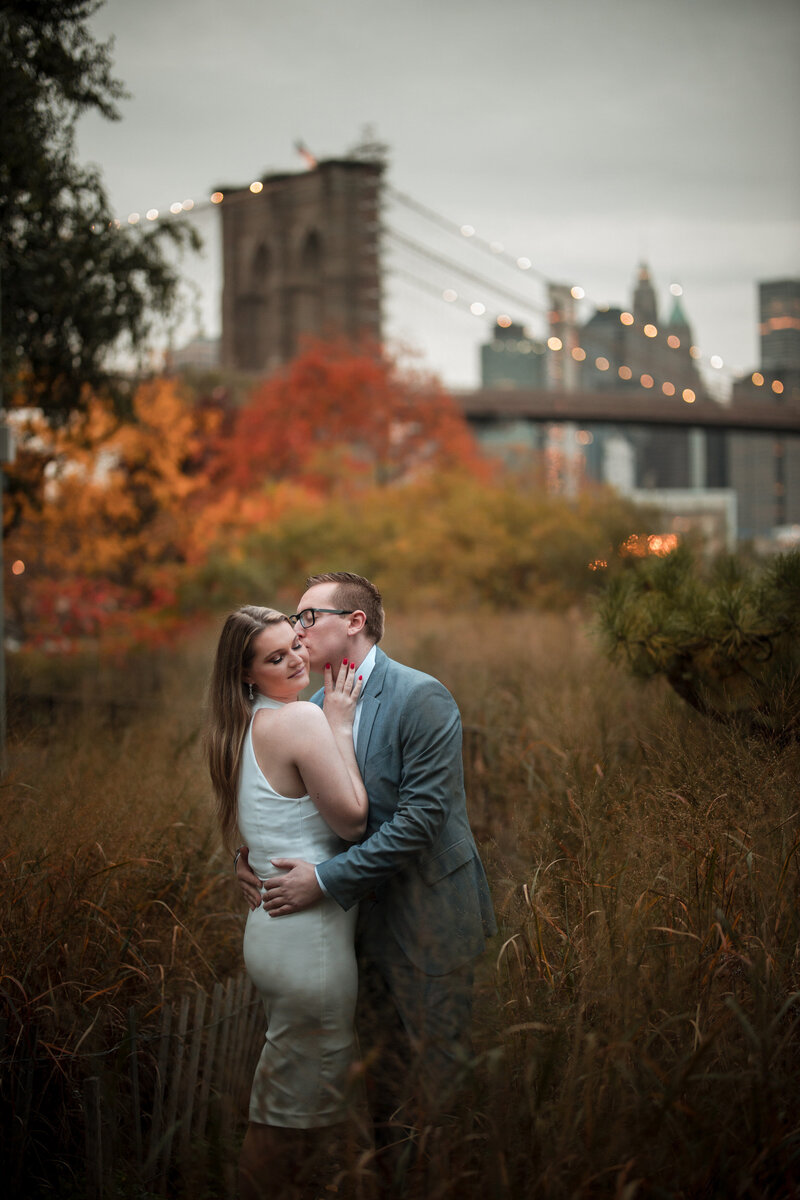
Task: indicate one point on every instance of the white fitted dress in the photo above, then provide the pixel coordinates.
(303, 964)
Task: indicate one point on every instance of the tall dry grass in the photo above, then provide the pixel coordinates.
(636, 1021)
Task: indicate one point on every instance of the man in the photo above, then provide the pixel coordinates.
(425, 909)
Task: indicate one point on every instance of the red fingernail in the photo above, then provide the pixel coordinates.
(344, 662)
(361, 677)
(327, 666)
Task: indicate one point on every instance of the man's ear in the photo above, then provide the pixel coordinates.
(358, 620)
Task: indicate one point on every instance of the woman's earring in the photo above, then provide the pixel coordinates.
(250, 691)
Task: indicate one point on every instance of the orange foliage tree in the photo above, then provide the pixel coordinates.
(338, 417)
(102, 516)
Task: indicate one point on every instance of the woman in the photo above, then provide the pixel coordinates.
(287, 784)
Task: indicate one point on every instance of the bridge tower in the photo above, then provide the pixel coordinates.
(300, 255)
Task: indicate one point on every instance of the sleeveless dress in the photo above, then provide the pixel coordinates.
(303, 965)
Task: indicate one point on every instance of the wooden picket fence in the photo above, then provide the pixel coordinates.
(169, 1105)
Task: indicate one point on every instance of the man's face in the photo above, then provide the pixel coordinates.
(326, 640)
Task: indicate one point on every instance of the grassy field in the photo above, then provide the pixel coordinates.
(637, 1023)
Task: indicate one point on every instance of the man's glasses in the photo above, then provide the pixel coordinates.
(309, 615)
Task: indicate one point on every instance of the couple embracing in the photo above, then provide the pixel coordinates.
(359, 867)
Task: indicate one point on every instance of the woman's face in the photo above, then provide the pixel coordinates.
(279, 667)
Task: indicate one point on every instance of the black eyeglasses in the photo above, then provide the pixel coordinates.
(309, 615)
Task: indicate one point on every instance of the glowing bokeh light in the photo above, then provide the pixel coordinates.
(554, 343)
(758, 378)
(676, 289)
(695, 352)
(134, 219)
(626, 318)
(650, 331)
(449, 295)
(468, 231)
(602, 363)
(668, 389)
(688, 395)
(673, 341)
(578, 353)
(256, 186)
(524, 264)
(187, 205)
(646, 380)
(18, 567)
(477, 309)
(716, 361)
(152, 214)
(216, 197)
(777, 387)
(504, 321)
(584, 437)
(176, 207)
(625, 373)
(577, 293)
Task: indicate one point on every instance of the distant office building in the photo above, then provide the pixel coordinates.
(765, 469)
(779, 328)
(513, 359)
(200, 354)
(300, 256)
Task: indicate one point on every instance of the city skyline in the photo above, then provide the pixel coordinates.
(587, 139)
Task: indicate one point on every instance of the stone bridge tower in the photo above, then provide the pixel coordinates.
(300, 255)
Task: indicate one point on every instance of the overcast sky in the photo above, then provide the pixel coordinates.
(585, 135)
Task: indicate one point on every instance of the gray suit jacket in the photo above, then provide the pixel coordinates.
(418, 856)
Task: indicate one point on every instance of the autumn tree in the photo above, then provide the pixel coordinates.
(75, 285)
(337, 417)
(103, 531)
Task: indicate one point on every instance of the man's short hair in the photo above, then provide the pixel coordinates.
(354, 591)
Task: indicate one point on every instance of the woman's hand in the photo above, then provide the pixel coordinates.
(341, 696)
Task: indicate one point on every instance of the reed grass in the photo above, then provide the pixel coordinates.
(636, 1019)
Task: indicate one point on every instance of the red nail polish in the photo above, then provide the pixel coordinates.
(360, 678)
(327, 666)
(344, 662)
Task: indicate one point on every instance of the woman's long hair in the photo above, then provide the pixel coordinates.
(229, 710)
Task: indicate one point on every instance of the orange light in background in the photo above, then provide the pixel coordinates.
(777, 387)
(175, 208)
(504, 321)
(256, 186)
(584, 437)
(134, 219)
(758, 378)
(662, 543)
(577, 293)
(187, 205)
(668, 389)
(578, 354)
(626, 318)
(673, 341)
(599, 564)
(18, 567)
(650, 331)
(602, 363)
(625, 373)
(646, 380)
(689, 396)
(554, 343)
(695, 352)
(152, 214)
(216, 197)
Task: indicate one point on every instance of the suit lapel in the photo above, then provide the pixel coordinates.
(370, 707)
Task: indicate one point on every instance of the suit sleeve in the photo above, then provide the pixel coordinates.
(431, 774)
